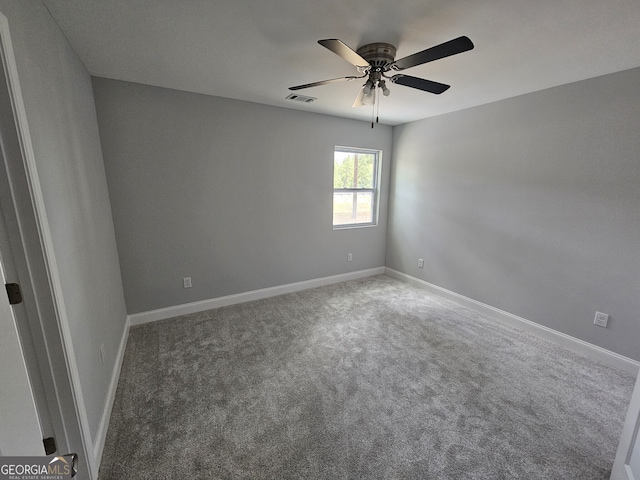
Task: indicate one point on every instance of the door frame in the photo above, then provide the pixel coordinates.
(47, 316)
(630, 435)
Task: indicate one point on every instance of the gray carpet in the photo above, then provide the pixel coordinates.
(366, 379)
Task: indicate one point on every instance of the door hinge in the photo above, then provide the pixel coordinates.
(14, 293)
(49, 445)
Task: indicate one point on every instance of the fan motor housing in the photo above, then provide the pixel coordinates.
(377, 54)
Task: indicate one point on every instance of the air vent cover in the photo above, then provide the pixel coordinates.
(300, 98)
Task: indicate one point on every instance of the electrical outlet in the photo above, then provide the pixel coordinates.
(421, 263)
(601, 319)
(102, 353)
(186, 282)
(349, 257)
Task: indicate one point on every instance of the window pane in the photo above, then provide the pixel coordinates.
(355, 186)
(352, 207)
(353, 170)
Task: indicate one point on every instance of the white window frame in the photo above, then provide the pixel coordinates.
(375, 190)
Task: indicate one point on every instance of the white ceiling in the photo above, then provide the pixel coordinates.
(255, 49)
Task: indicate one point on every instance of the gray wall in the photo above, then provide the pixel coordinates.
(61, 115)
(531, 205)
(236, 195)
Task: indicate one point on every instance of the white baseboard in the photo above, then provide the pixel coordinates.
(187, 308)
(571, 343)
(101, 436)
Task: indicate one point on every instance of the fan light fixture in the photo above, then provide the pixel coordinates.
(383, 86)
(368, 98)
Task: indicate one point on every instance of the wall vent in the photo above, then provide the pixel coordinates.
(300, 98)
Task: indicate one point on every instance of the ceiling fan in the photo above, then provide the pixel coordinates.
(374, 60)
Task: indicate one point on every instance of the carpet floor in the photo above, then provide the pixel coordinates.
(367, 379)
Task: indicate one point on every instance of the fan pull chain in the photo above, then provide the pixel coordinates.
(373, 107)
(378, 110)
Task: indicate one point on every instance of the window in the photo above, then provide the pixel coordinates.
(355, 187)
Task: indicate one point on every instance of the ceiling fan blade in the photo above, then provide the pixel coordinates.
(323, 82)
(446, 49)
(340, 48)
(420, 83)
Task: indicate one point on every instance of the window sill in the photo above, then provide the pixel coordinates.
(354, 225)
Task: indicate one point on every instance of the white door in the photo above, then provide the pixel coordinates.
(627, 463)
(20, 432)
